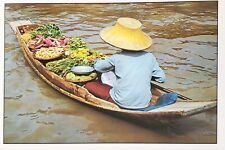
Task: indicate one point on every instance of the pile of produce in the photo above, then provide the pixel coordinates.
(80, 78)
(75, 43)
(26, 37)
(86, 56)
(40, 41)
(47, 30)
(49, 53)
(48, 43)
(62, 66)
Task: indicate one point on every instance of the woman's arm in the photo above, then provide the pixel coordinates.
(105, 65)
(157, 73)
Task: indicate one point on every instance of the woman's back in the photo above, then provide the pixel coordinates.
(134, 72)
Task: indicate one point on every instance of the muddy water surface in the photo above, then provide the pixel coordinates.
(185, 44)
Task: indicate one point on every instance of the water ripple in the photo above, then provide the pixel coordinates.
(184, 42)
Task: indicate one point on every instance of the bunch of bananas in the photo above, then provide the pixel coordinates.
(80, 78)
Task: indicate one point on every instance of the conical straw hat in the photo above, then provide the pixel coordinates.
(126, 34)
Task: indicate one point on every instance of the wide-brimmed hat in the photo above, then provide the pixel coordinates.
(126, 34)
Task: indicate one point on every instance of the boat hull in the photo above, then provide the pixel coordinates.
(181, 109)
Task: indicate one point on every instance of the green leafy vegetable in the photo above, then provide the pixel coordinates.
(47, 30)
(75, 43)
(62, 66)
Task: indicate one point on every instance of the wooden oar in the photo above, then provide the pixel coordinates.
(168, 90)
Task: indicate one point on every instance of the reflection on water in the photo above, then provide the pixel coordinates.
(185, 44)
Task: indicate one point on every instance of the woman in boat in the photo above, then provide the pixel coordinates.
(134, 68)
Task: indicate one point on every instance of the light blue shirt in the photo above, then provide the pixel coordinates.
(134, 71)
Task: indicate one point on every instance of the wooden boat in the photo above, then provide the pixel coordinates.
(182, 108)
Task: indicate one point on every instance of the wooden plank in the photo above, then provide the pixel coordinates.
(185, 106)
(15, 24)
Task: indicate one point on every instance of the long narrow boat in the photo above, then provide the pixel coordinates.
(182, 108)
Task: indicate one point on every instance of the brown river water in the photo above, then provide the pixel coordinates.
(185, 44)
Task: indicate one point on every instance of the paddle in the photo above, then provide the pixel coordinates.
(168, 90)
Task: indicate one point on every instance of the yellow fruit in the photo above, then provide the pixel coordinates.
(93, 75)
(26, 37)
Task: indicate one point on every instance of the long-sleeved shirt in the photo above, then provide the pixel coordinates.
(134, 71)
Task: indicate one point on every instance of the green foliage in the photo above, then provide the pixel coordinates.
(75, 43)
(62, 66)
(47, 30)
